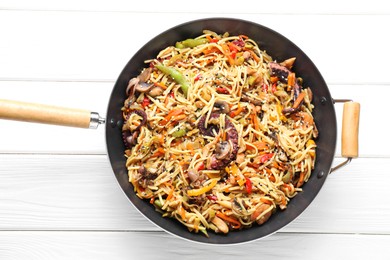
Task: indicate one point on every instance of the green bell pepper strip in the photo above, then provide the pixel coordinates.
(176, 76)
(180, 132)
(190, 43)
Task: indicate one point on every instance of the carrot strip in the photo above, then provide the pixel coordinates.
(274, 79)
(191, 148)
(291, 79)
(260, 145)
(182, 213)
(236, 112)
(208, 37)
(299, 99)
(269, 202)
(170, 195)
(160, 151)
(254, 56)
(172, 113)
(301, 179)
(234, 222)
(160, 84)
(211, 50)
(226, 52)
(179, 117)
(255, 122)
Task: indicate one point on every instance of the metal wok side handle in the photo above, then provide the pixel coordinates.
(349, 132)
(45, 114)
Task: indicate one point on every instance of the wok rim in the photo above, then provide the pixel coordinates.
(233, 237)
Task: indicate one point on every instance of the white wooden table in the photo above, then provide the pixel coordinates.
(58, 196)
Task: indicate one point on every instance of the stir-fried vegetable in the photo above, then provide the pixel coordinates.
(191, 43)
(238, 147)
(176, 76)
(200, 191)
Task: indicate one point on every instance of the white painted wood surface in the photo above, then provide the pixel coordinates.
(58, 196)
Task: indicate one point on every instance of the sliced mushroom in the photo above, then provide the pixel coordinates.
(156, 91)
(288, 63)
(193, 175)
(246, 98)
(145, 75)
(139, 83)
(222, 150)
(131, 86)
(143, 87)
(237, 207)
(223, 106)
(310, 94)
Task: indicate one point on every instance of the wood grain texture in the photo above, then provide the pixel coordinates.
(44, 114)
(58, 196)
(80, 192)
(159, 245)
(204, 6)
(95, 46)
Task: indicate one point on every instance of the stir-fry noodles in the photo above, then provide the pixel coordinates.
(218, 135)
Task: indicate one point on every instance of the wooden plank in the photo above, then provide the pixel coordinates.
(204, 6)
(95, 46)
(76, 192)
(155, 245)
(95, 96)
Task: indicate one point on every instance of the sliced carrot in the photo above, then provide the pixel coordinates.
(266, 201)
(160, 151)
(172, 113)
(232, 221)
(291, 79)
(260, 145)
(301, 179)
(236, 112)
(208, 37)
(170, 195)
(179, 117)
(274, 79)
(211, 50)
(299, 99)
(182, 213)
(226, 52)
(254, 55)
(191, 148)
(160, 84)
(255, 122)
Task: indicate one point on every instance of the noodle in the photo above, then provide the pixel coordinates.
(218, 135)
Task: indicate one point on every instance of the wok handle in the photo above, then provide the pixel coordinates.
(350, 130)
(46, 114)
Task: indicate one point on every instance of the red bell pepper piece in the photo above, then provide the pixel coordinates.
(145, 102)
(222, 90)
(248, 185)
(265, 157)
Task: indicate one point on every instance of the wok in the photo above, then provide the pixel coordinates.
(280, 48)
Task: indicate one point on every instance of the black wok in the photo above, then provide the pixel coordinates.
(280, 48)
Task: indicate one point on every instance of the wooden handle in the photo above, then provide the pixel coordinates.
(350, 130)
(37, 113)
